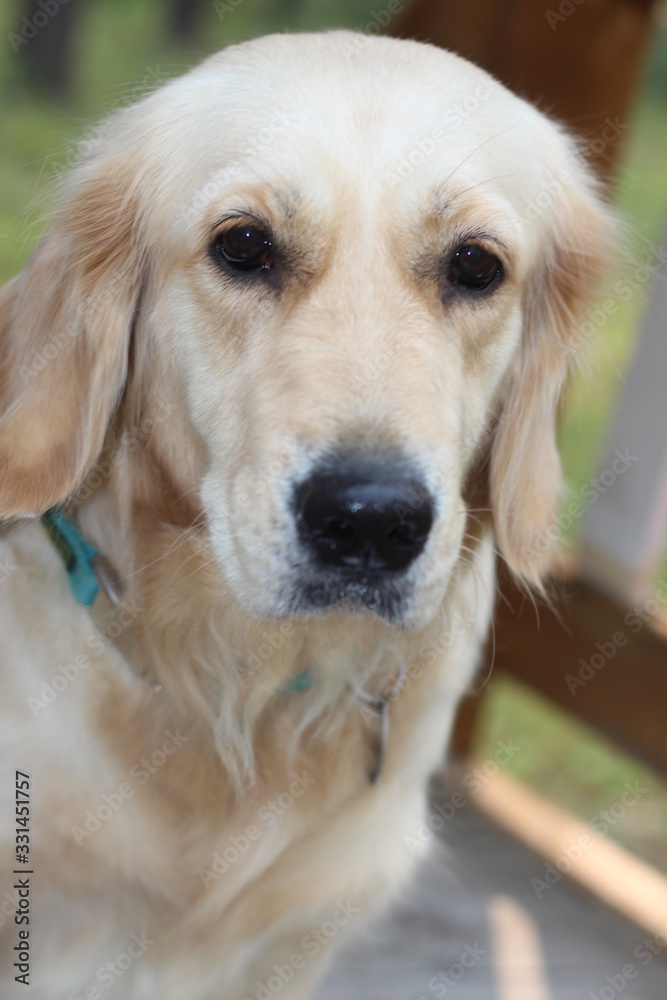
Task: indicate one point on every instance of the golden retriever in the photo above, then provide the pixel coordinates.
(288, 358)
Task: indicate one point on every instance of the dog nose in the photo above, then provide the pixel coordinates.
(377, 522)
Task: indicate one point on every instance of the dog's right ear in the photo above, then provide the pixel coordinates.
(65, 326)
(525, 471)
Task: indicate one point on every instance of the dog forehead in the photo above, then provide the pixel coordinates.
(343, 94)
(332, 115)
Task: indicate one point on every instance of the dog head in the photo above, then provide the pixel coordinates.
(354, 268)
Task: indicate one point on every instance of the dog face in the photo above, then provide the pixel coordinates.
(354, 267)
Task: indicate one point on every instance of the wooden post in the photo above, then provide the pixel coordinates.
(582, 67)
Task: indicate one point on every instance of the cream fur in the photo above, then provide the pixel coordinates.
(175, 408)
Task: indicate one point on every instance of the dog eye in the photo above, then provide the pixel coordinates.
(245, 248)
(474, 267)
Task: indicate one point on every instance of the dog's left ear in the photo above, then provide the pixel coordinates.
(525, 474)
(65, 326)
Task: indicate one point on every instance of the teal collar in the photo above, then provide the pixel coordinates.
(78, 555)
(87, 569)
(295, 685)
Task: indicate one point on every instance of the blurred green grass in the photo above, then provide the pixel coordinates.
(121, 47)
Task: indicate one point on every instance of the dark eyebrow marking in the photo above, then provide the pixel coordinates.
(472, 235)
(288, 201)
(241, 214)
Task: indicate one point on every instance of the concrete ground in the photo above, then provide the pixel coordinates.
(473, 928)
